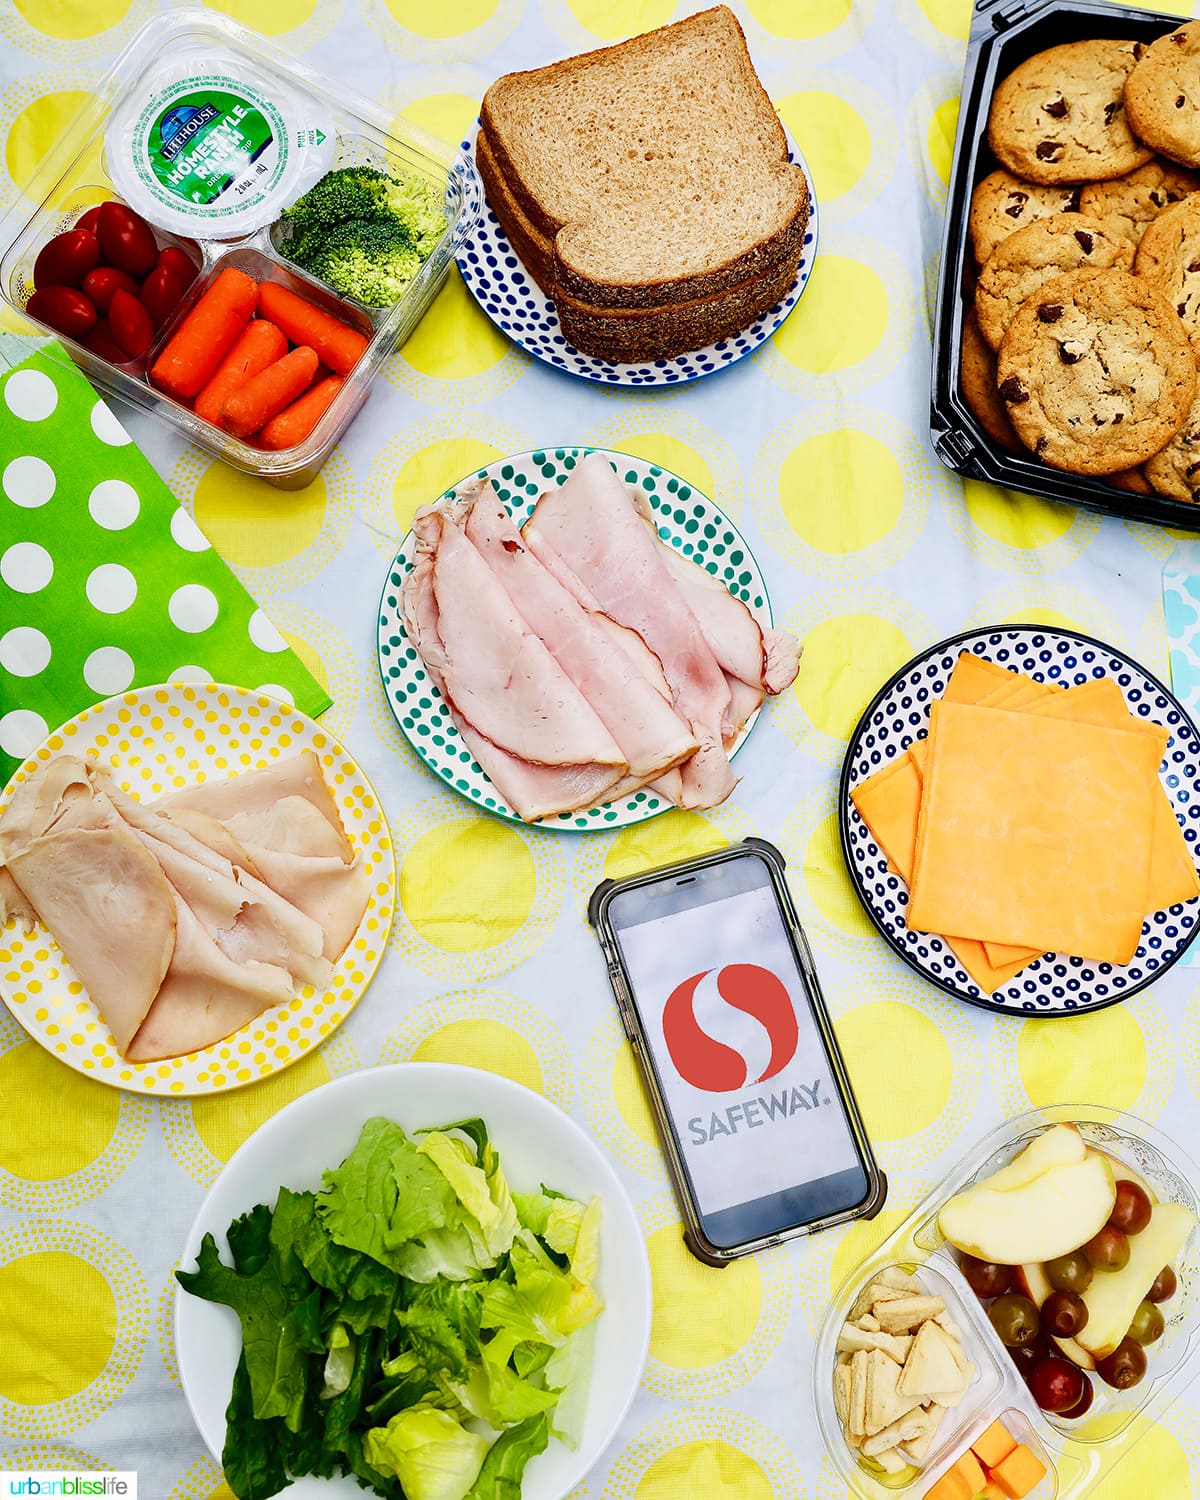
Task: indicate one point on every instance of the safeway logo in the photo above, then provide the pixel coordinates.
(727, 1002)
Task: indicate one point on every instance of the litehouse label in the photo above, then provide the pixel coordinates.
(212, 145)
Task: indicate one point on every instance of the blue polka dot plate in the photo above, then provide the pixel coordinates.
(512, 299)
(1055, 984)
(686, 520)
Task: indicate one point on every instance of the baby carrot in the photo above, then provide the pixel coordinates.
(258, 345)
(339, 345)
(295, 422)
(206, 335)
(267, 393)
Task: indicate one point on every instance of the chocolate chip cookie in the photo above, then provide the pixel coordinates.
(1168, 257)
(1036, 254)
(1096, 372)
(1060, 115)
(1127, 204)
(1162, 95)
(1001, 204)
(979, 386)
(1175, 469)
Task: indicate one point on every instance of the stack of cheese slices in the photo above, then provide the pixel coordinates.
(647, 188)
(1031, 820)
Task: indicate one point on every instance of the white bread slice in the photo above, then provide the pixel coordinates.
(657, 168)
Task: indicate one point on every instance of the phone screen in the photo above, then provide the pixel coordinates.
(724, 1008)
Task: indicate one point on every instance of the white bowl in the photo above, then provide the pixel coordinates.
(537, 1143)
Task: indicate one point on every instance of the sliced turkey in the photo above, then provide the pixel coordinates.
(112, 912)
(205, 996)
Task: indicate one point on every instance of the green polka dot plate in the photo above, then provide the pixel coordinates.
(686, 520)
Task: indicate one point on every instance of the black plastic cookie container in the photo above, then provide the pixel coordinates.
(1003, 34)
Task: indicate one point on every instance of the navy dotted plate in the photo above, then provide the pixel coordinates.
(1053, 985)
(512, 299)
(686, 520)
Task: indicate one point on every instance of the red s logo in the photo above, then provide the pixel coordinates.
(713, 1066)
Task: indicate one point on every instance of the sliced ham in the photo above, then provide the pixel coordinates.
(501, 677)
(220, 838)
(205, 995)
(748, 650)
(589, 648)
(259, 791)
(112, 912)
(533, 790)
(39, 800)
(332, 894)
(589, 529)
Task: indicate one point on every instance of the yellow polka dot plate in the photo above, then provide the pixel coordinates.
(686, 520)
(537, 1143)
(1074, 1450)
(1055, 984)
(155, 740)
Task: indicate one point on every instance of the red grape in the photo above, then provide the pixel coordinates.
(1064, 1314)
(1108, 1250)
(1026, 1356)
(1131, 1211)
(985, 1278)
(1084, 1401)
(1124, 1367)
(1162, 1288)
(1056, 1384)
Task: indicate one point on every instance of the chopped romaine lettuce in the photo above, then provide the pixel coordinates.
(410, 1300)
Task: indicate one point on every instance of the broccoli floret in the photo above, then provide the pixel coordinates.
(330, 224)
(372, 262)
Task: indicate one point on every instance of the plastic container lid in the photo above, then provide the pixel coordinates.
(219, 147)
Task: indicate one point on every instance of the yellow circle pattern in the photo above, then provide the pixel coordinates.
(896, 1101)
(836, 140)
(1101, 1056)
(72, 20)
(705, 1466)
(828, 882)
(246, 521)
(85, 1116)
(432, 470)
(841, 491)
(224, 1123)
(468, 884)
(683, 1335)
(839, 321)
(60, 1323)
(36, 130)
(846, 660)
(486, 1044)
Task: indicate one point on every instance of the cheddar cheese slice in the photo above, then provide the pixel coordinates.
(1035, 831)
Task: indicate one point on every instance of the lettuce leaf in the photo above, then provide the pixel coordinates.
(384, 1194)
(504, 1467)
(433, 1456)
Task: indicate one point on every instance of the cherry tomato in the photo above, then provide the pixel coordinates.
(88, 220)
(126, 240)
(64, 308)
(100, 341)
(161, 294)
(182, 264)
(66, 259)
(130, 324)
(100, 284)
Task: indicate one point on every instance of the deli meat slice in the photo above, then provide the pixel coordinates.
(590, 530)
(206, 995)
(112, 912)
(259, 791)
(534, 790)
(651, 735)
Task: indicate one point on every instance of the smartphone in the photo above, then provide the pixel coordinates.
(718, 994)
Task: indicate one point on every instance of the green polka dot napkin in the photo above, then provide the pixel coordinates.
(106, 582)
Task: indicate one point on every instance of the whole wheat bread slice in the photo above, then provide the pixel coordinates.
(657, 168)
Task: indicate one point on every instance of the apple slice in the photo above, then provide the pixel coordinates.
(1123, 1172)
(1057, 1147)
(1113, 1297)
(1030, 1279)
(1045, 1217)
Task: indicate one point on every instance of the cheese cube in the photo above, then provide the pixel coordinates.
(1019, 1472)
(993, 1445)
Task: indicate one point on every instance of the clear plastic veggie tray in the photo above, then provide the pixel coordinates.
(1074, 1450)
(307, 126)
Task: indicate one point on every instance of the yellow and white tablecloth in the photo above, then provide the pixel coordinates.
(817, 446)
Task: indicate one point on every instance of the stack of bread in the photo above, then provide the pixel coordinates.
(1083, 340)
(647, 189)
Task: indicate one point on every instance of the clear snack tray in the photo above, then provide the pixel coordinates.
(76, 175)
(1075, 1451)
